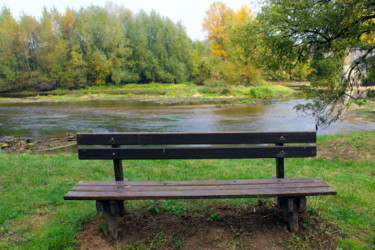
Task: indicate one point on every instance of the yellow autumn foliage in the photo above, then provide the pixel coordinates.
(244, 14)
(217, 23)
(369, 38)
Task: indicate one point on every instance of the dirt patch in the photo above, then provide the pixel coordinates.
(9, 145)
(39, 218)
(225, 226)
(346, 149)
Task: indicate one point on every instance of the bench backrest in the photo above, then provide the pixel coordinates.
(215, 145)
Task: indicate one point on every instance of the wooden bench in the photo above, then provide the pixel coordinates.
(110, 195)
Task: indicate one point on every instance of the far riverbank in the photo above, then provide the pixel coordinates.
(156, 92)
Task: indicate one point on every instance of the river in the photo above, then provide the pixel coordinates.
(53, 120)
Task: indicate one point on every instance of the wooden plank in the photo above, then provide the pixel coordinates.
(202, 182)
(136, 153)
(179, 138)
(130, 188)
(293, 215)
(199, 194)
(112, 226)
(302, 204)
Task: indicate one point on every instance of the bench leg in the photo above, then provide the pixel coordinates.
(112, 226)
(302, 204)
(112, 209)
(293, 206)
(293, 214)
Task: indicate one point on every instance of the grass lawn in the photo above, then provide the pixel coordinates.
(33, 214)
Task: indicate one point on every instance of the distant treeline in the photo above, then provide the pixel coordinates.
(92, 46)
(112, 45)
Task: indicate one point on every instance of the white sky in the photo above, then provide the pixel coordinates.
(189, 12)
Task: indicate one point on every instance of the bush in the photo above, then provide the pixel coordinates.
(260, 92)
(204, 90)
(212, 83)
(214, 90)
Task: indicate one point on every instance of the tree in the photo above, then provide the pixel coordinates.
(30, 30)
(243, 15)
(52, 53)
(11, 45)
(95, 46)
(76, 69)
(242, 66)
(68, 24)
(324, 32)
(201, 71)
(161, 49)
(216, 23)
(233, 60)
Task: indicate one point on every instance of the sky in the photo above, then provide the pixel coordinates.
(189, 12)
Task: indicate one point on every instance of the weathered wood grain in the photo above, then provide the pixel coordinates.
(192, 190)
(198, 194)
(179, 138)
(155, 153)
(203, 182)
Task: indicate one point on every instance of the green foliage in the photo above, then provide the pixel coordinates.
(233, 56)
(215, 83)
(320, 34)
(214, 217)
(260, 93)
(215, 87)
(94, 46)
(172, 206)
(213, 91)
(201, 58)
(98, 46)
(154, 207)
(10, 44)
(159, 241)
(162, 50)
(177, 242)
(361, 102)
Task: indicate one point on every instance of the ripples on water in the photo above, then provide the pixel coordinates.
(47, 120)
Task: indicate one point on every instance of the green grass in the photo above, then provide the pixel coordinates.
(33, 214)
(161, 91)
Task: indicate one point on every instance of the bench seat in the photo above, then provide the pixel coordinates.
(205, 189)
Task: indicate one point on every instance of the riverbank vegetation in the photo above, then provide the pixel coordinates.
(33, 213)
(213, 92)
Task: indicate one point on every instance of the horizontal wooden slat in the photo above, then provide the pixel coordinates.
(133, 188)
(196, 152)
(195, 138)
(201, 182)
(198, 194)
(198, 189)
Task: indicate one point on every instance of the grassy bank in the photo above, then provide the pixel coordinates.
(33, 214)
(154, 90)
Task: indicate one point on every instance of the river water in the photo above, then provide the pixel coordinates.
(53, 120)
